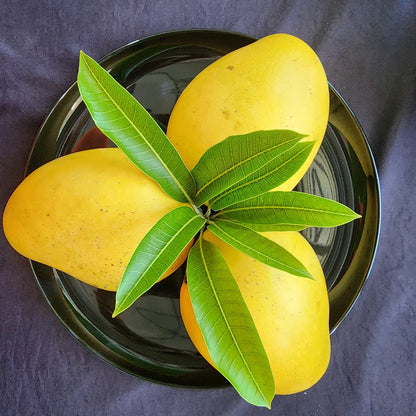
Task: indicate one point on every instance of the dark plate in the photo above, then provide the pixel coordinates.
(149, 339)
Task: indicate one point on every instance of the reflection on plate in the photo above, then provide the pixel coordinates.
(149, 339)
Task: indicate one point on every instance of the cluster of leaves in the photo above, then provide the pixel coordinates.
(228, 192)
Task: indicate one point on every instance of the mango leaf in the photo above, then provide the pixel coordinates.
(237, 157)
(288, 211)
(122, 118)
(271, 175)
(259, 247)
(158, 250)
(227, 326)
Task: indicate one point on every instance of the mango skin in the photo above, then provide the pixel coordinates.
(276, 82)
(291, 313)
(85, 214)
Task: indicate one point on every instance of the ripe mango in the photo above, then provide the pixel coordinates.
(276, 82)
(85, 214)
(291, 313)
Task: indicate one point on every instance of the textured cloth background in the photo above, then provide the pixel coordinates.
(369, 52)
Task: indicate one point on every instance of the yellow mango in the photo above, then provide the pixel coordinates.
(291, 313)
(276, 82)
(85, 214)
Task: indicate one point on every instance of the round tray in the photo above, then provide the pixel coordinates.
(149, 340)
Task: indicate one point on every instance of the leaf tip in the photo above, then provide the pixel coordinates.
(116, 311)
(304, 273)
(119, 307)
(82, 55)
(82, 64)
(352, 215)
(266, 400)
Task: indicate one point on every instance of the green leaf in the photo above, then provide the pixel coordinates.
(271, 175)
(288, 211)
(227, 326)
(259, 247)
(238, 157)
(158, 250)
(121, 118)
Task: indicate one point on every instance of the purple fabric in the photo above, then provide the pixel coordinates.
(368, 50)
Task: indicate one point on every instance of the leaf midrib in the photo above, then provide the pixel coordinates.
(273, 207)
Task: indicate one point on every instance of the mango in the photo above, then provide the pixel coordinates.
(85, 214)
(291, 313)
(276, 82)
